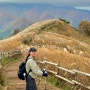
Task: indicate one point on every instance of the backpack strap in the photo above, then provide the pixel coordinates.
(29, 72)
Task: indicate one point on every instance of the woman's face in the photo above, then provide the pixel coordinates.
(33, 54)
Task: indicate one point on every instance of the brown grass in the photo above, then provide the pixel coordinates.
(51, 37)
(67, 60)
(54, 35)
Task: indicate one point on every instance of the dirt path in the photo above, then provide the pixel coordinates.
(13, 83)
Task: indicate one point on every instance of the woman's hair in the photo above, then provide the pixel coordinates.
(27, 57)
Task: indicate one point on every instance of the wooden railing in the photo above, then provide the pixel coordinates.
(9, 54)
(74, 72)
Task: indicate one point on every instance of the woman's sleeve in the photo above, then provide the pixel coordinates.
(35, 68)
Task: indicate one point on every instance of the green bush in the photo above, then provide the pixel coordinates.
(66, 88)
(27, 41)
(64, 21)
(2, 81)
(54, 81)
(15, 32)
(5, 61)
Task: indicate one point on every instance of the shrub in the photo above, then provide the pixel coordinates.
(27, 41)
(64, 21)
(2, 81)
(15, 32)
(84, 27)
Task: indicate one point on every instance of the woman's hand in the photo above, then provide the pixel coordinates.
(44, 73)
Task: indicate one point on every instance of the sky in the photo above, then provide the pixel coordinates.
(75, 3)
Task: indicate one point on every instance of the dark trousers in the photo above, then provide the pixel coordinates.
(30, 83)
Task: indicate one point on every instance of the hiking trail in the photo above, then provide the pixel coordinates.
(13, 83)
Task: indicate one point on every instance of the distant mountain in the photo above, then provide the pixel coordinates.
(19, 16)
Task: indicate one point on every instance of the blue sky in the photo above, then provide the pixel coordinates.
(76, 3)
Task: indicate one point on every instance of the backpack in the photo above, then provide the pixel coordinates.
(22, 74)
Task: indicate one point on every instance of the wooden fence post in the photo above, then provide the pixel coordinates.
(76, 86)
(58, 72)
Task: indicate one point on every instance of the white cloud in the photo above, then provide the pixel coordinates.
(86, 8)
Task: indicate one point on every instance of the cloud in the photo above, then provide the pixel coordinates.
(57, 2)
(85, 8)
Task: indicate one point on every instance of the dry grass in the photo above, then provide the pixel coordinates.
(55, 35)
(51, 37)
(67, 60)
(28, 33)
(6, 46)
(54, 39)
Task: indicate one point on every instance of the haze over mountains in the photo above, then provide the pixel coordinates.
(19, 16)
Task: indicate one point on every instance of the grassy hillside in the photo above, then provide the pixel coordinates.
(56, 41)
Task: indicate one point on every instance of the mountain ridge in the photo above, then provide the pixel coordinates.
(47, 26)
(32, 13)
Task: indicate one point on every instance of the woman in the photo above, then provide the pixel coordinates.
(34, 69)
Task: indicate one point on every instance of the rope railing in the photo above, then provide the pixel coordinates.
(73, 72)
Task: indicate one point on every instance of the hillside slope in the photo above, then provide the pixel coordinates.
(56, 41)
